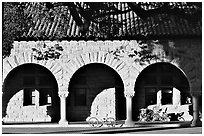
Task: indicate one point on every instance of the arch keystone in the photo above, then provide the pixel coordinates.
(95, 58)
(91, 57)
(99, 56)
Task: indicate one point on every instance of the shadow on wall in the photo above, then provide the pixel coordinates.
(104, 104)
(17, 112)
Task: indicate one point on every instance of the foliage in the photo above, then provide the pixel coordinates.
(140, 51)
(15, 23)
(47, 52)
(143, 52)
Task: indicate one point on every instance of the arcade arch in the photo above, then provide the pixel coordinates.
(95, 90)
(30, 94)
(160, 84)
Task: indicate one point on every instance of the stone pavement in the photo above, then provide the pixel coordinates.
(85, 128)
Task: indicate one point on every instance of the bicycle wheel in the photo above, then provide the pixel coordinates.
(165, 119)
(155, 117)
(143, 117)
(93, 122)
(110, 122)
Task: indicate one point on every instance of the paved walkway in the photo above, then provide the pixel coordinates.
(188, 130)
(85, 124)
(85, 128)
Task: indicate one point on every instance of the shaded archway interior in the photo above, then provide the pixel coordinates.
(159, 76)
(29, 78)
(86, 84)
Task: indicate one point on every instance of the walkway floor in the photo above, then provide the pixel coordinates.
(85, 124)
(81, 127)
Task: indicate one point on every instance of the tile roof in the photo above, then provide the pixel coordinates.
(62, 23)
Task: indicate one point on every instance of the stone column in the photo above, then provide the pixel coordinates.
(63, 95)
(159, 98)
(195, 100)
(129, 122)
(176, 97)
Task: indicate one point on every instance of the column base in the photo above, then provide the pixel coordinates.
(129, 123)
(196, 123)
(63, 123)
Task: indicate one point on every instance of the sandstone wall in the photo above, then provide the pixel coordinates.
(16, 112)
(184, 54)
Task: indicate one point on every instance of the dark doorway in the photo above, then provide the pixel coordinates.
(88, 83)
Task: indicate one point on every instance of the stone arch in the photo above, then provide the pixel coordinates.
(180, 85)
(53, 66)
(96, 57)
(18, 106)
(133, 71)
(184, 66)
(178, 63)
(100, 84)
(173, 64)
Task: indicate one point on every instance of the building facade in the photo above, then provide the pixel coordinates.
(87, 75)
(101, 78)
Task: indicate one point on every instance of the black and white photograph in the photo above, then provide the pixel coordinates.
(101, 67)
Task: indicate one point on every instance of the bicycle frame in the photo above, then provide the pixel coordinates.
(95, 122)
(154, 116)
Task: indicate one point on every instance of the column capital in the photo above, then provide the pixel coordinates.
(63, 94)
(129, 89)
(129, 93)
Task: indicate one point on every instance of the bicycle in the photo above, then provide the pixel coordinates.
(160, 116)
(95, 122)
(145, 115)
(179, 116)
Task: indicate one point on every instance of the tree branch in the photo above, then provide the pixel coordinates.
(83, 17)
(112, 13)
(165, 9)
(72, 8)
